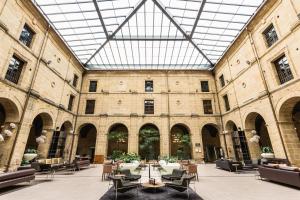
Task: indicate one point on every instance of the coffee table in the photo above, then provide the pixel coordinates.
(153, 187)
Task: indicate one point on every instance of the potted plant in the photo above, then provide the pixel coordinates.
(267, 152)
(30, 154)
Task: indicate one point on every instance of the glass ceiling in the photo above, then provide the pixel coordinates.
(148, 34)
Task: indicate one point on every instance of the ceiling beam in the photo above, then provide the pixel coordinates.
(100, 17)
(148, 39)
(198, 17)
(171, 18)
(139, 5)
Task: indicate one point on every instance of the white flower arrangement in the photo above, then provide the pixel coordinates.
(40, 140)
(12, 125)
(7, 133)
(43, 137)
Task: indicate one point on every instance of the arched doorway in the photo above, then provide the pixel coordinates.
(87, 141)
(239, 142)
(57, 146)
(2, 115)
(41, 126)
(211, 143)
(180, 142)
(289, 122)
(149, 145)
(117, 140)
(255, 124)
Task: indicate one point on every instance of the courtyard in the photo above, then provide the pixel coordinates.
(214, 184)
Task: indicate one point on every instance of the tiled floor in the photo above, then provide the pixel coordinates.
(214, 184)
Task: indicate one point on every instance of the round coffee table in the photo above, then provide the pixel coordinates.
(153, 187)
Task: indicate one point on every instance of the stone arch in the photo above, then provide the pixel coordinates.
(9, 111)
(42, 124)
(180, 141)
(59, 141)
(237, 142)
(255, 124)
(289, 123)
(211, 142)
(119, 140)
(149, 150)
(87, 140)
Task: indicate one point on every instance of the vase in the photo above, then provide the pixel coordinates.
(267, 155)
(29, 156)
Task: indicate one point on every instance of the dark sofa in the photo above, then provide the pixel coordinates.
(289, 177)
(12, 178)
(79, 164)
(227, 165)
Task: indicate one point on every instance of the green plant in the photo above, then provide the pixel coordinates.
(149, 136)
(116, 154)
(118, 137)
(169, 159)
(267, 150)
(129, 157)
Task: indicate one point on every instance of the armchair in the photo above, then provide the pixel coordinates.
(122, 186)
(182, 184)
(129, 176)
(176, 175)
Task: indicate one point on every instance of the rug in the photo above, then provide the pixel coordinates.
(146, 194)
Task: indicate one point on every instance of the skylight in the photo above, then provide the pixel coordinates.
(148, 34)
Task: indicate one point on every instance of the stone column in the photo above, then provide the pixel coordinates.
(254, 148)
(6, 145)
(133, 136)
(101, 144)
(291, 142)
(43, 149)
(164, 137)
(196, 138)
(20, 145)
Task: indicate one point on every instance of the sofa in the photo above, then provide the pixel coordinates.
(12, 178)
(80, 163)
(227, 165)
(285, 175)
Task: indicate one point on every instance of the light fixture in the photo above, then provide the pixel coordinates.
(40, 140)
(253, 132)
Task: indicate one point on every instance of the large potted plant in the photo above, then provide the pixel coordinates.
(29, 155)
(267, 152)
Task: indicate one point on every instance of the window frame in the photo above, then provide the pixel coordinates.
(151, 81)
(208, 89)
(276, 69)
(226, 103)
(75, 80)
(96, 87)
(71, 104)
(266, 31)
(30, 30)
(16, 57)
(86, 106)
(222, 80)
(146, 108)
(205, 106)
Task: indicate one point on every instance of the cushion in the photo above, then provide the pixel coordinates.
(272, 165)
(288, 168)
(162, 162)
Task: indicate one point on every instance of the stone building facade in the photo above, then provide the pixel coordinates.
(255, 86)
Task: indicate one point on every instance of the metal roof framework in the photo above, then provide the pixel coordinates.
(148, 34)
